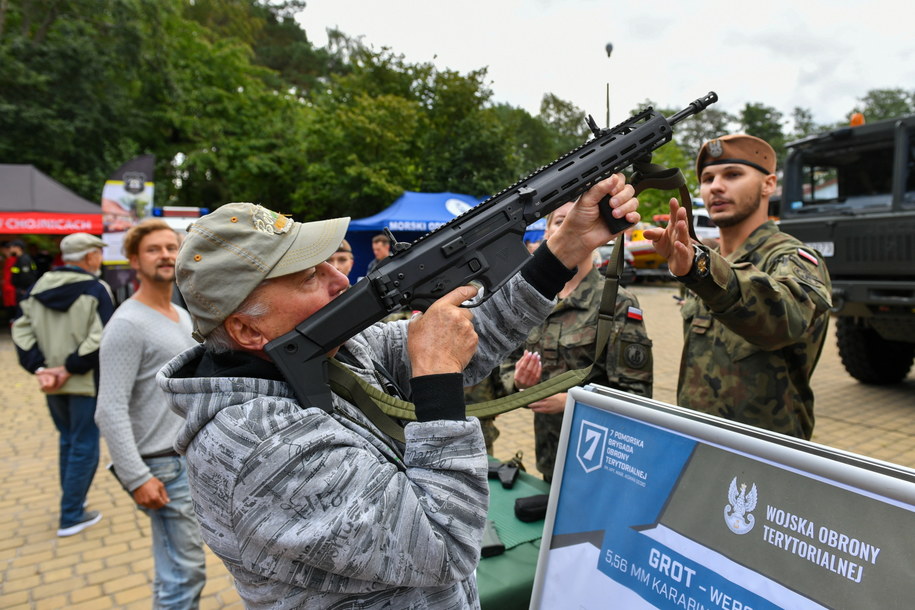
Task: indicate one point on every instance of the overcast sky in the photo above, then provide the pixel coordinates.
(817, 54)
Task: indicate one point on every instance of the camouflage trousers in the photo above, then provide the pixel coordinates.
(490, 432)
(547, 427)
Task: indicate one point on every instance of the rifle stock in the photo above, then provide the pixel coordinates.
(485, 244)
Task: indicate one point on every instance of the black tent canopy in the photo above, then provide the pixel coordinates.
(31, 202)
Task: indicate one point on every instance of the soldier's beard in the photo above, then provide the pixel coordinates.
(743, 208)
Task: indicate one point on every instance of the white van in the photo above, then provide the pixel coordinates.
(703, 224)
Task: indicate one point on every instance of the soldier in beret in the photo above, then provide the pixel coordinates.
(342, 259)
(757, 311)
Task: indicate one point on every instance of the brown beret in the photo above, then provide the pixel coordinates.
(344, 247)
(737, 148)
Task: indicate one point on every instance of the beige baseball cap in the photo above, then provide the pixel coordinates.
(230, 251)
(79, 242)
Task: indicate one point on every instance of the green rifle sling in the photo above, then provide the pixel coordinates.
(647, 175)
(349, 386)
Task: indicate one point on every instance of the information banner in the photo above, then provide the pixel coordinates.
(127, 197)
(657, 507)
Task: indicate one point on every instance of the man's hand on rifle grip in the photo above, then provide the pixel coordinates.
(443, 340)
(584, 229)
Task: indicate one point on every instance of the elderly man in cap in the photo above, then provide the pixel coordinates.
(57, 338)
(757, 311)
(310, 509)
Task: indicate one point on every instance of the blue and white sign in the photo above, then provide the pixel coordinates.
(655, 507)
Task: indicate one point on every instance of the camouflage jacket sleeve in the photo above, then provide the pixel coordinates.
(772, 291)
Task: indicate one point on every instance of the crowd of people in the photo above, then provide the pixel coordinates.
(318, 507)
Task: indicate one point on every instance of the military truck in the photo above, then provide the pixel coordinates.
(850, 193)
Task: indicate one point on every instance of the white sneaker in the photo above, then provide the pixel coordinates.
(89, 519)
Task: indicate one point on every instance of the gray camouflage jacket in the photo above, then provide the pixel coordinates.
(314, 510)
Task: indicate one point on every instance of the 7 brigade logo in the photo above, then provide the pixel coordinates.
(740, 504)
(592, 443)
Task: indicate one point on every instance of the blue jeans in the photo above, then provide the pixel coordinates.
(74, 417)
(177, 545)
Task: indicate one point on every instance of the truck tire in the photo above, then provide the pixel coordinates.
(870, 358)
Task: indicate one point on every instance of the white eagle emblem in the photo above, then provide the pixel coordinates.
(737, 512)
(715, 148)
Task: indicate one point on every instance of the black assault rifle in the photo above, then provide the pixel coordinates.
(484, 244)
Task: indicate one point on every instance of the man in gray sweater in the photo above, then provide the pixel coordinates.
(144, 333)
(310, 509)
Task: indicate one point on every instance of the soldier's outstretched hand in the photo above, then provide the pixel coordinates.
(673, 242)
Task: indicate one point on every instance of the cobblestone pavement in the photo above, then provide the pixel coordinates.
(110, 564)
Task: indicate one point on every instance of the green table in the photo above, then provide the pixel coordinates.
(505, 581)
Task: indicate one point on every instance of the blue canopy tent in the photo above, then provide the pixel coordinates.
(535, 231)
(410, 217)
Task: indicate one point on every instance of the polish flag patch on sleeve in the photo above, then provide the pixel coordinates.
(634, 313)
(810, 258)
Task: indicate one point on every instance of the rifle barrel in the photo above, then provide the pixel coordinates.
(695, 107)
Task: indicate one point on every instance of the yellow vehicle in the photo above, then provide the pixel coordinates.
(642, 250)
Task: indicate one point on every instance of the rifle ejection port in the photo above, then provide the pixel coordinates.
(453, 246)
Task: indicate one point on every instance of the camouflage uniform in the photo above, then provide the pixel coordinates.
(754, 329)
(565, 342)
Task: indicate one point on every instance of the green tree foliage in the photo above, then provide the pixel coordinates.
(69, 74)
(93, 83)
(766, 123)
(232, 134)
(533, 141)
(465, 145)
(238, 105)
(804, 125)
(880, 104)
(567, 124)
(352, 156)
(698, 129)
(283, 46)
(386, 126)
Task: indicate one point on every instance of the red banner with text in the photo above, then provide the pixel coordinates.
(49, 223)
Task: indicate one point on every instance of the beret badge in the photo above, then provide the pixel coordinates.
(715, 148)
